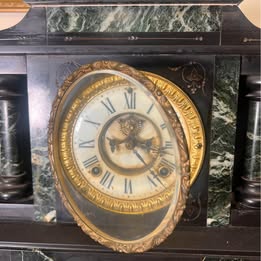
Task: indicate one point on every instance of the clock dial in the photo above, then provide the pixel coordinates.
(124, 152)
(121, 147)
(119, 156)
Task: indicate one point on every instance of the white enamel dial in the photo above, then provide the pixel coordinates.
(122, 145)
(119, 155)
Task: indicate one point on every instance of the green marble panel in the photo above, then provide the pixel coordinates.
(222, 144)
(133, 19)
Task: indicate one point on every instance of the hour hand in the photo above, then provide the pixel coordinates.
(150, 170)
(161, 151)
(154, 149)
(145, 144)
(114, 143)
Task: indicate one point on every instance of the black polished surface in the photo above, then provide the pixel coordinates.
(32, 36)
(44, 255)
(237, 29)
(186, 240)
(240, 214)
(30, 31)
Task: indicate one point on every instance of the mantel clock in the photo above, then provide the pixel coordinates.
(119, 155)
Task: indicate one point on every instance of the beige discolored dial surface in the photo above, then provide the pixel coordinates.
(126, 150)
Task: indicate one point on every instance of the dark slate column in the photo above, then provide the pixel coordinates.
(251, 179)
(14, 184)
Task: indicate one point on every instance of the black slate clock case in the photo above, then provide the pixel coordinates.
(193, 74)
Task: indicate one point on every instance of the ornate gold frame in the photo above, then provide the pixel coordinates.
(175, 211)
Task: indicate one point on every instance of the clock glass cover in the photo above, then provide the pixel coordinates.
(119, 156)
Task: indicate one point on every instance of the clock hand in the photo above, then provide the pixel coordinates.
(161, 150)
(151, 171)
(114, 143)
(145, 144)
(149, 147)
(140, 157)
(156, 177)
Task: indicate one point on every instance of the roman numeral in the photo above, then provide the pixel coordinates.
(168, 163)
(108, 105)
(96, 124)
(168, 145)
(151, 181)
(150, 108)
(127, 186)
(163, 126)
(130, 99)
(87, 144)
(87, 163)
(154, 179)
(107, 179)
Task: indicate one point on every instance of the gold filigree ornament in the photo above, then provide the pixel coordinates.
(119, 156)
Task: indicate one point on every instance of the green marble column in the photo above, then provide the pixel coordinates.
(251, 178)
(14, 184)
(222, 144)
(253, 135)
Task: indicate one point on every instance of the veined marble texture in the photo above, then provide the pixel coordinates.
(43, 183)
(253, 142)
(222, 145)
(40, 98)
(24, 255)
(134, 19)
(10, 160)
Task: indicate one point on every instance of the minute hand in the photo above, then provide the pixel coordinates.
(151, 171)
(140, 157)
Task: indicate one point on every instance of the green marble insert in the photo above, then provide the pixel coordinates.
(133, 19)
(222, 144)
